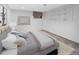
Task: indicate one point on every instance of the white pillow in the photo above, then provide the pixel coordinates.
(20, 41)
(9, 42)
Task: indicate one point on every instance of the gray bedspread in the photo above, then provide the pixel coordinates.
(31, 46)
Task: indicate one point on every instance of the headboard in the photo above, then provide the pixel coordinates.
(3, 34)
(4, 31)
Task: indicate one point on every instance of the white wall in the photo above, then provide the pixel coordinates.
(58, 25)
(66, 28)
(35, 23)
(76, 20)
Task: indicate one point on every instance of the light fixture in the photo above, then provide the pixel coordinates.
(44, 4)
(22, 7)
(36, 10)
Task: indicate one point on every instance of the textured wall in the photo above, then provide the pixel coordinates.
(63, 21)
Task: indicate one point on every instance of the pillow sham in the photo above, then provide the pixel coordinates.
(9, 42)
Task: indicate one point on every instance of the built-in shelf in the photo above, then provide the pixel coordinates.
(66, 46)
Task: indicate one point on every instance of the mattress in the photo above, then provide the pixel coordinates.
(46, 51)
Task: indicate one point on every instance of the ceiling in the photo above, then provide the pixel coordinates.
(33, 7)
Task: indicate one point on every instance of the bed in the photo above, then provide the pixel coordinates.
(39, 44)
(34, 43)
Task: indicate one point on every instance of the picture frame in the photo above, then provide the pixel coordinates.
(23, 20)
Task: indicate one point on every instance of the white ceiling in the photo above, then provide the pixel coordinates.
(33, 7)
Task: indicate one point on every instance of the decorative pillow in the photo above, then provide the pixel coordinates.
(20, 41)
(23, 35)
(9, 42)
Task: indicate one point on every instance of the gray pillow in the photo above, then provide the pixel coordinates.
(0, 47)
(23, 35)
